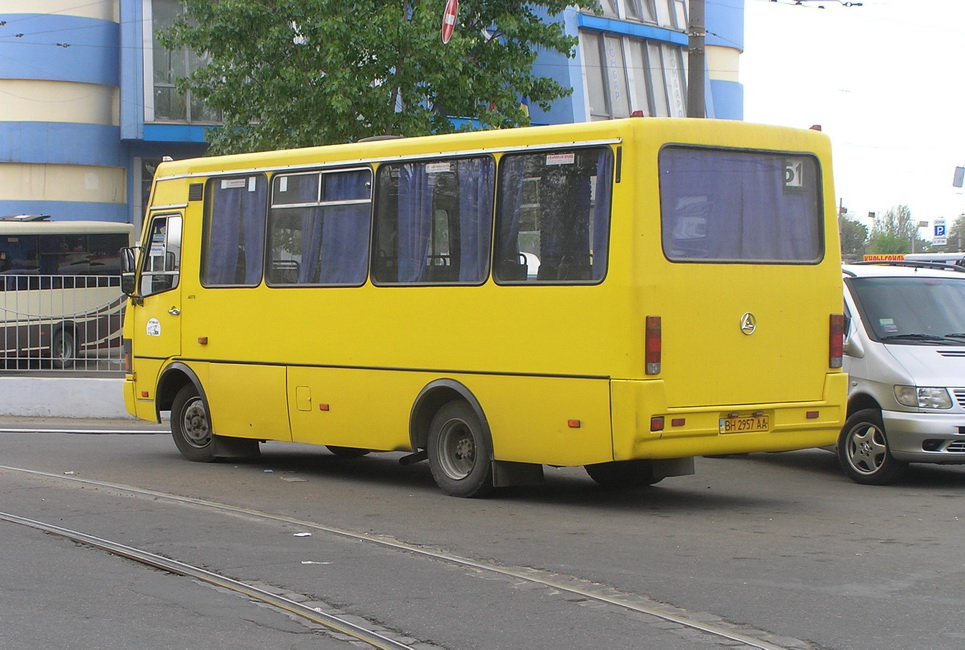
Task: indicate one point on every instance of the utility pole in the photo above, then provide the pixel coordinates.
(696, 61)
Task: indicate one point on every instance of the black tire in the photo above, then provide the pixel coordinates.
(864, 453)
(190, 426)
(623, 474)
(460, 452)
(63, 349)
(347, 452)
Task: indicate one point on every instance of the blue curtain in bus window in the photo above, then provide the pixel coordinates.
(601, 214)
(476, 185)
(304, 189)
(414, 220)
(512, 171)
(718, 205)
(236, 232)
(345, 231)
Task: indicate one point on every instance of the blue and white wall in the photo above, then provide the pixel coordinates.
(660, 43)
(60, 147)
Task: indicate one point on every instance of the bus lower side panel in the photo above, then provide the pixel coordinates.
(545, 420)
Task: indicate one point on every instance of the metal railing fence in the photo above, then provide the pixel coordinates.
(70, 323)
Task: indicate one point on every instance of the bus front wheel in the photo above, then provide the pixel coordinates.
(459, 452)
(190, 426)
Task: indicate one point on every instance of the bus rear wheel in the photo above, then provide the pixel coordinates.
(62, 349)
(190, 426)
(623, 473)
(459, 452)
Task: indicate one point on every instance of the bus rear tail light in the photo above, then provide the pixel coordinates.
(653, 345)
(836, 343)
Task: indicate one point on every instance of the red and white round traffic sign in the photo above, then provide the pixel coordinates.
(449, 19)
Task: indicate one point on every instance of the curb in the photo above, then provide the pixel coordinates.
(63, 397)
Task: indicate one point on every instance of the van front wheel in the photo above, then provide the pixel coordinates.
(190, 426)
(863, 450)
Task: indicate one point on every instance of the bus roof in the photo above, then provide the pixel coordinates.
(44, 227)
(723, 133)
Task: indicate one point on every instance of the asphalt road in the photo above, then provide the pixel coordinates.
(781, 546)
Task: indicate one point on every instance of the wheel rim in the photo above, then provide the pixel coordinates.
(867, 448)
(63, 349)
(458, 457)
(194, 424)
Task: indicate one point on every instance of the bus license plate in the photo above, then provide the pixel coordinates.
(745, 425)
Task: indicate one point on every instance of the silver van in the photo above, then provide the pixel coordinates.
(905, 354)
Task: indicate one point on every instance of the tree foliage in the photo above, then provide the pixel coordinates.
(894, 232)
(288, 73)
(854, 237)
(956, 235)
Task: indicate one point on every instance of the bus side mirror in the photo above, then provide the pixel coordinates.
(128, 285)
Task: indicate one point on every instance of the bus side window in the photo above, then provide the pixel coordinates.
(553, 216)
(433, 221)
(162, 262)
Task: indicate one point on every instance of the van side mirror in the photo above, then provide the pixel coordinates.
(852, 345)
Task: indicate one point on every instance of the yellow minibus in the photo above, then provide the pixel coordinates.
(621, 295)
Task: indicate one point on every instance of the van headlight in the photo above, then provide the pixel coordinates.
(923, 397)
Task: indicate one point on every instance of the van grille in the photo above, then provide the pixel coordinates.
(952, 354)
(956, 447)
(959, 396)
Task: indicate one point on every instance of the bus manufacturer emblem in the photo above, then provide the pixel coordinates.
(748, 323)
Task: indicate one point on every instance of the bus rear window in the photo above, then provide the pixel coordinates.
(740, 206)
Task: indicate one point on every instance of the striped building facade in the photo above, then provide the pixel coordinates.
(88, 104)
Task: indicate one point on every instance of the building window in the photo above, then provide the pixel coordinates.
(171, 65)
(624, 75)
(666, 13)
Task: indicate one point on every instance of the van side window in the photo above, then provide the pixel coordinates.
(553, 217)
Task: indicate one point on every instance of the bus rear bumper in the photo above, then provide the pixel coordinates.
(645, 427)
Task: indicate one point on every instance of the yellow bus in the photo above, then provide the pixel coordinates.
(622, 295)
(60, 296)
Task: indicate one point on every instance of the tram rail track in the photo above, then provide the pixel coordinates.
(563, 584)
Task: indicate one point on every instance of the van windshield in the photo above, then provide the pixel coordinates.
(912, 311)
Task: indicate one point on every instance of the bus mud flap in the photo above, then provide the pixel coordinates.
(506, 473)
(226, 447)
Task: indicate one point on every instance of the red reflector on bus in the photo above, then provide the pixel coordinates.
(836, 343)
(678, 422)
(145, 394)
(656, 423)
(653, 345)
(323, 407)
(574, 424)
(203, 340)
(812, 415)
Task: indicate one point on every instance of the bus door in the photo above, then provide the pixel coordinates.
(157, 317)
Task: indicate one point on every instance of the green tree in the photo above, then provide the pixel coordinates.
(289, 73)
(854, 236)
(956, 235)
(894, 232)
